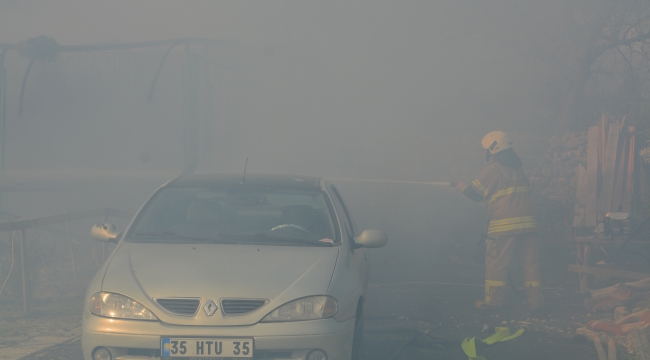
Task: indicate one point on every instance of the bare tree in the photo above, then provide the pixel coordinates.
(603, 62)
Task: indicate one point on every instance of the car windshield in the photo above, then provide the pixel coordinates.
(250, 215)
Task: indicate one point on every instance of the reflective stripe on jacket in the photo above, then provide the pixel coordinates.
(506, 194)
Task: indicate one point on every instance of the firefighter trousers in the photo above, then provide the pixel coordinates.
(498, 257)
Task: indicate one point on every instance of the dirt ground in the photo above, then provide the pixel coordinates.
(45, 324)
(435, 296)
(443, 304)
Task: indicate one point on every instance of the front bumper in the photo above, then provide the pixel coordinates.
(132, 339)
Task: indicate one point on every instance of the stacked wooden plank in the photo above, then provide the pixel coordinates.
(640, 345)
(606, 184)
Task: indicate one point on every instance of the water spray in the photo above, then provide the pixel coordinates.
(435, 183)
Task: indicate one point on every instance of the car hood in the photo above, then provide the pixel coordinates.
(148, 272)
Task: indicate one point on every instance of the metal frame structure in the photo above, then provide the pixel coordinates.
(23, 224)
(45, 49)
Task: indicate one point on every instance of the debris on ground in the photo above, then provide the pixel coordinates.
(629, 304)
(623, 326)
(609, 298)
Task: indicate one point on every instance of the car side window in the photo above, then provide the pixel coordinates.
(346, 221)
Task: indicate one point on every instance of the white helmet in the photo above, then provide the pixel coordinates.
(496, 141)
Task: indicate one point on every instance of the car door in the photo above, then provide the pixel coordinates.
(358, 256)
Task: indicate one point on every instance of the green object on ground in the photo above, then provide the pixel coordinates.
(470, 349)
(500, 334)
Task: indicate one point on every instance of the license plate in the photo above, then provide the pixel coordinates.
(205, 348)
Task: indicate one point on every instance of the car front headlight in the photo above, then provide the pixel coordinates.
(119, 306)
(308, 308)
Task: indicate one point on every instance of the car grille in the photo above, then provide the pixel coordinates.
(241, 306)
(180, 306)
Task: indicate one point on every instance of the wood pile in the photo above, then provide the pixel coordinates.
(633, 338)
(606, 183)
(631, 322)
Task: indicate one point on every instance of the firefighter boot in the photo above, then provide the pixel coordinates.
(494, 295)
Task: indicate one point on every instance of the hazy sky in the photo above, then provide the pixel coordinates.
(386, 89)
(393, 89)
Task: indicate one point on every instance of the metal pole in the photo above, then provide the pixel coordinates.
(22, 264)
(192, 124)
(207, 113)
(3, 116)
(3, 108)
(3, 119)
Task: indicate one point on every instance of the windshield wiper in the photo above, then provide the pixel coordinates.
(307, 241)
(265, 239)
(294, 240)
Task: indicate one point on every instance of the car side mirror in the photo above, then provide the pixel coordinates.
(372, 238)
(104, 232)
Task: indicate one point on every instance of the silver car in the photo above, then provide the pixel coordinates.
(229, 267)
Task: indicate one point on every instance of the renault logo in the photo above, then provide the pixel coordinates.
(210, 307)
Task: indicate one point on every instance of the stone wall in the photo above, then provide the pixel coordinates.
(551, 165)
(554, 175)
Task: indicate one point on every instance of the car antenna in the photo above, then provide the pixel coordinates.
(243, 178)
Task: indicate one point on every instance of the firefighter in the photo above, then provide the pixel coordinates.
(505, 190)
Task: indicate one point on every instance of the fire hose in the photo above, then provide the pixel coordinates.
(501, 334)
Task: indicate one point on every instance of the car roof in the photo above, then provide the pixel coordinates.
(272, 180)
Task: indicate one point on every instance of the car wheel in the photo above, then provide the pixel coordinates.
(357, 341)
